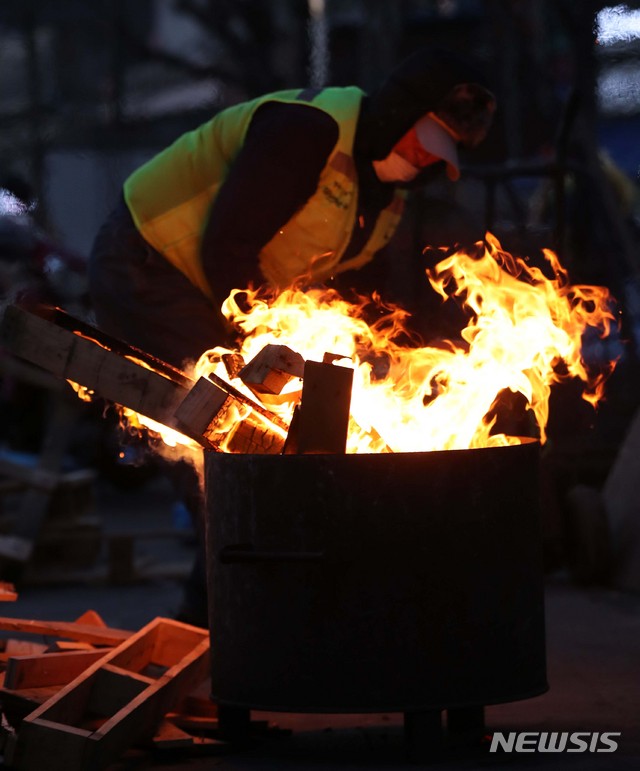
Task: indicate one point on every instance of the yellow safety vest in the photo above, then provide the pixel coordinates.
(170, 196)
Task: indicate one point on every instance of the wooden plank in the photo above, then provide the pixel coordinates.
(28, 373)
(200, 406)
(60, 719)
(68, 706)
(138, 721)
(171, 646)
(195, 723)
(169, 736)
(36, 340)
(271, 369)
(233, 363)
(71, 645)
(130, 381)
(270, 416)
(16, 705)
(46, 669)
(51, 746)
(12, 647)
(113, 689)
(7, 592)
(69, 629)
(92, 618)
(252, 435)
(137, 654)
(323, 419)
(64, 320)
(213, 412)
(196, 714)
(123, 381)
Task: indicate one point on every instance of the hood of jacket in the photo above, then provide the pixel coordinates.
(418, 85)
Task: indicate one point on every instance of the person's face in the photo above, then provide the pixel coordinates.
(409, 148)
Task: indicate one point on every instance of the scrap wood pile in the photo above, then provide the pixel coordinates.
(95, 692)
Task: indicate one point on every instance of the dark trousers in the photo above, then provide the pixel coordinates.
(139, 297)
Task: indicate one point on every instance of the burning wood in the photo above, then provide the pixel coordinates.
(271, 370)
(524, 334)
(151, 388)
(233, 363)
(213, 406)
(322, 421)
(525, 331)
(228, 420)
(83, 355)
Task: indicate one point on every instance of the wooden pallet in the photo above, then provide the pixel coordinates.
(119, 700)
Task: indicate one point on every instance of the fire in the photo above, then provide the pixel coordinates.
(82, 392)
(524, 334)
(171, 438)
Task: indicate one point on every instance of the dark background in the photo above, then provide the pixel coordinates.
(90, 90)
(101, 83)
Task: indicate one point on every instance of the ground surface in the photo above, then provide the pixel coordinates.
(593, 669)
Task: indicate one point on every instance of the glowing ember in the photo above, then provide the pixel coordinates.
(82, 392)
(171, 437)
(524, 334)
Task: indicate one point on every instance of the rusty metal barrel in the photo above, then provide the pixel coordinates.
(365, 583)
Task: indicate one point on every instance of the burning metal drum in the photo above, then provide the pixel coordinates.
(393, 582)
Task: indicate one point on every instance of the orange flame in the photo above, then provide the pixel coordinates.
(140, 423)
(82, 392)
(524, 334)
